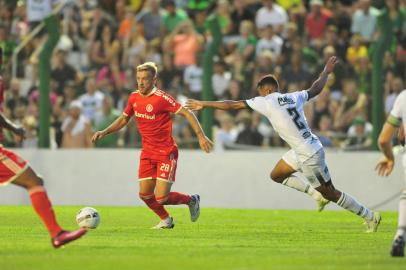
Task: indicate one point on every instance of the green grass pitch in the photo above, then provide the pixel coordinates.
(221, 239)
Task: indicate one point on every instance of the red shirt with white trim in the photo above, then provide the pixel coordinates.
(153, 116)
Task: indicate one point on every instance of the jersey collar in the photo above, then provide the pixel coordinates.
(150, 93)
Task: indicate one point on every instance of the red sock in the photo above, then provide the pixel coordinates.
(43, 207)
(178, 198)
(151, 202)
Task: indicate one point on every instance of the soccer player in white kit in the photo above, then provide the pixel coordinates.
(385, 166)
(306, 157)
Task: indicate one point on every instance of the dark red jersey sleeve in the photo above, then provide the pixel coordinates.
(128, 110)
(170, 104)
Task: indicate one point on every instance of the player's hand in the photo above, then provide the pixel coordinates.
(385, 167)
(205, 143)
(194, 105)
(97, 136)
(331, 62)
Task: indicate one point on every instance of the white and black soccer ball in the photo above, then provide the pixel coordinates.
(88, 217)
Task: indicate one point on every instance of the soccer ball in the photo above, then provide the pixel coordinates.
(88, 217)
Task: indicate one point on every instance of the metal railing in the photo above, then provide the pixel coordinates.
(29, 37)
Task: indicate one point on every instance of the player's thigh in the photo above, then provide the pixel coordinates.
(286, 166)
(147, 175)
(28, 179)
(316, 171)
(162, 188)
(147, 186)
(14, 169)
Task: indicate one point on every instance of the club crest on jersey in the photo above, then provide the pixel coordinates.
(149, 108)
(285, 100)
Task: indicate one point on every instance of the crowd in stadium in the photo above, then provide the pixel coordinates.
(93, 65)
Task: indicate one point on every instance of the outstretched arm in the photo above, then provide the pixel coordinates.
(118, 124)
(197, 105)
(204, 142)
(7, 124)
(319, 84)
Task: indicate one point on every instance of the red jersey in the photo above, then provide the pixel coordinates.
(153, 116)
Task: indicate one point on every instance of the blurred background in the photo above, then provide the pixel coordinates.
(204, 49)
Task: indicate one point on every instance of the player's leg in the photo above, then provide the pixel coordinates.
(315, 169)
(398, 245)
(43, 207)
(147, 187)
(147, 182)
(285, 172)
(166, 177)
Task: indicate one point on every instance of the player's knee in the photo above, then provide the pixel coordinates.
(276, 177)
(162, 199)
(146, 197)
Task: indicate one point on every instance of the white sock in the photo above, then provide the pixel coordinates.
(348, 202)
(296, 182)
(402, 216)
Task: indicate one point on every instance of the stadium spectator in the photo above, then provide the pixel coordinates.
(220, 79)
(316, 20)
(269, 41)
(14, 98)
(356, 51)
(151, 21)
(271, 14)
(396, 86)
(324, 132)
(185, 44)
(103, 119)
(364, 20)
(249, 134)
(226, 134)
(172, 16)
(192, 78)
(359, 135)
(77, 130)
(63, 72)
(295, 73)
(91, 102)
(241, 12)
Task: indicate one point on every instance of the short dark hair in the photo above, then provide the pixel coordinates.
(268, 79)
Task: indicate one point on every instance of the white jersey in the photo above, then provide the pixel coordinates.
(285, 112)
(398, 112)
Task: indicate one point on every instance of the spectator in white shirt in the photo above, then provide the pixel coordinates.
(220, 79)
(192, 77)
(364, 20)
(271, 14)
(269, 41)
(91, 101)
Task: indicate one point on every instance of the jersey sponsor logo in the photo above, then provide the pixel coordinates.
(144, 115)
(149, 108)
(285, 101)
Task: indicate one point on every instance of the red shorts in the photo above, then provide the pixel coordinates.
(160, 168)
(11, 166)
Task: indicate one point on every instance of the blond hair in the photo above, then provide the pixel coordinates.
(149, 66)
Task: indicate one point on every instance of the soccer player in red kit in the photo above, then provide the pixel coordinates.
(17, 171)
(152, 109)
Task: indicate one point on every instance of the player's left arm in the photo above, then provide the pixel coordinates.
(204, 142)
(319, 84)
(7, 124)
(197, 105)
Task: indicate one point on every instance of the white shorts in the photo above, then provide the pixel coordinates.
(404, 167)
(315, 168)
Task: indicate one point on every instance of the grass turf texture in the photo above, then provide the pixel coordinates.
(221, 239)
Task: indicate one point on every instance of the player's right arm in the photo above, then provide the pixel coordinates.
(197, 105)
(319, 84)
(7, 124)
(118, 124)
